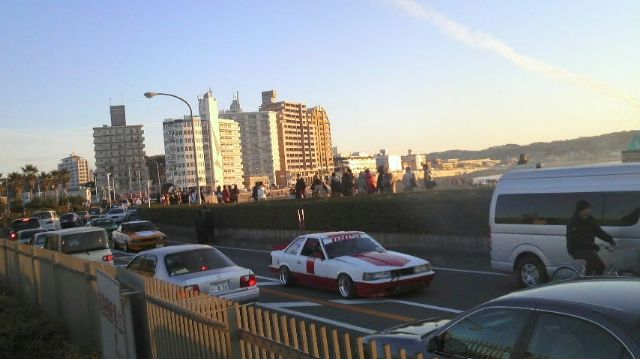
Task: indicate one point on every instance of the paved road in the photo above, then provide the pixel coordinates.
(453, 290)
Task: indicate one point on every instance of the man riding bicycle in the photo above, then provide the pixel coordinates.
(582, 229)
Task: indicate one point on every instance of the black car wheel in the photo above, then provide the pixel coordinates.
(530, 271)
(346, 287)
(286, 279)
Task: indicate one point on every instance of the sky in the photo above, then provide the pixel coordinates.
(427, 75)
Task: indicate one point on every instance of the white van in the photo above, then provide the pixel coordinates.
(48, 220)
(89, 243)
(530, 209)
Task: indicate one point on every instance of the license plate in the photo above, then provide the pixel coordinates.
(219, 287)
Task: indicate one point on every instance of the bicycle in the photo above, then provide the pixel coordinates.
(572, 272)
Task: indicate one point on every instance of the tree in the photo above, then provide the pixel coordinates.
(45, 180)
(64, 178)
(30, 173)
(16, 183)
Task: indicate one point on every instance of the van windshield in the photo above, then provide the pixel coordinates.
(84, 242)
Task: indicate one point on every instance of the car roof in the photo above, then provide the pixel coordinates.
(163, 251)
(76, 230)
(18, 220)
(607, 169)
(607, 294)
(137, 221)
(324, 235)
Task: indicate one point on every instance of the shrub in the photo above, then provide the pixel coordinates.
(462, 212)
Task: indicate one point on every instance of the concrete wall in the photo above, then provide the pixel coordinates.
(418, 244)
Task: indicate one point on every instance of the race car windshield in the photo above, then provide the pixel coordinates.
(350, 247)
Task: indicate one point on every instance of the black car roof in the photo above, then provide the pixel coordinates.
(616, 294)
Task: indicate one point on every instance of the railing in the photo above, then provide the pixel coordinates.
(167, 321)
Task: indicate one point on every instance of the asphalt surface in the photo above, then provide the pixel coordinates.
(456, 287)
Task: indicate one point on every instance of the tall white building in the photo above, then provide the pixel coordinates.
(231, 152)
(182, 154)
(119, 152)
(208, 108)
(78, 169)
(259, 141)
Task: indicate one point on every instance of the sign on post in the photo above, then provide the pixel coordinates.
(115, 319)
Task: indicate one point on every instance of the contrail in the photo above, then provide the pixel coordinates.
(484, 41)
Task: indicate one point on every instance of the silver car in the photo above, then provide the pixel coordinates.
(199, 268)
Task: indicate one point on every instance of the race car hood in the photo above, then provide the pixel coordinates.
(378, 261)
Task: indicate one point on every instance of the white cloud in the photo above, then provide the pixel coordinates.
(484, 41)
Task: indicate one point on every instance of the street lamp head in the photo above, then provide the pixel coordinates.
(150, 94)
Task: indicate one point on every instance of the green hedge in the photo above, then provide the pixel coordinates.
(461, 212)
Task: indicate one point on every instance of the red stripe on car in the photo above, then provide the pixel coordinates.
(382, 259)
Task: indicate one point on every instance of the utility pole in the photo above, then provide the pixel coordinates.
(109, 187)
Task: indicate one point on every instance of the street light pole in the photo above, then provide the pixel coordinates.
(193, 135)
(109, 188)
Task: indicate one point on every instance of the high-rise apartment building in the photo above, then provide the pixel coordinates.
(78, 169)
(230, 144)
(208, 108)
(302, 143)
(259, 141)
(182, 155)
(119, 152)
(118, 117)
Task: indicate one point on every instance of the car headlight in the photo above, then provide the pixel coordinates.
(376, 275)
(422, 268)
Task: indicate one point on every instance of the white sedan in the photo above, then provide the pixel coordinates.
(198, 268)
(351, 262)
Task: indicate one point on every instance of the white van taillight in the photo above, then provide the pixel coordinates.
(107, 258)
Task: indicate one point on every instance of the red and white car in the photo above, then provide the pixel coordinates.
(351, 262)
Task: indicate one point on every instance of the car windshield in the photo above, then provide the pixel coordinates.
(27, 223)
(102, 222)
(43, 215)
(350, 247)
(84, 242)
(139, 227)
(196, 260)
(116, 210)
(67, 216)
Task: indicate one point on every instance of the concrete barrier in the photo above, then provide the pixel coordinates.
(426, 245)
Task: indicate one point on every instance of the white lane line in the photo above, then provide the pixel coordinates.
(243, 249)
(270, 279)
(268, 284)
(396, 301)
(280, 305)
(471, 271)
(318, 319)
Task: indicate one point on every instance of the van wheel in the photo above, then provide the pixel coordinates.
(530, 271)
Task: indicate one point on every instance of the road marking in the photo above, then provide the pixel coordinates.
(268, 284)
(288, 304)
(377, 313)
(270, 279)
(396, 301)
(471, 271)
(435, 268)
(318, 319)
(243, 249)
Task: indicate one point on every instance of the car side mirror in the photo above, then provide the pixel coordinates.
(435, 344)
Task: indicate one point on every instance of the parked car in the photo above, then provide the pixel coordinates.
(138, 235)
(84, 216)
(105, 223)
(70, 220)
(95, 211)
(21, 224)
(530, 209)
(199, 268)
(25, 235)
(48, 219)
(89, 243)
(117, 214)
(352, 263)
(132, 215)
(586, 319)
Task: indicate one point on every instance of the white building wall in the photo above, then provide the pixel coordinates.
(231, 152)
(208, 108)
(181, 154)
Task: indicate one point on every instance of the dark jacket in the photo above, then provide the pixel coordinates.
(582, 232)
(347, 184)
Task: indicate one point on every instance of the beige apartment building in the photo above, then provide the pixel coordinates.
(78, 169)
(119, 153)
(304, 137)
(259, 141)
(231, 149)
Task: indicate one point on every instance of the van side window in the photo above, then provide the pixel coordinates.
(52, 242)
(621, 209)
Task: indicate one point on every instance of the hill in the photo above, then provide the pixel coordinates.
(603, 148)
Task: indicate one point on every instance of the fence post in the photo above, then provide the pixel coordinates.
(91, 302)
(233, 316)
